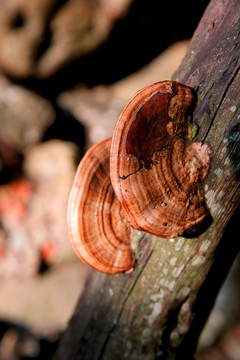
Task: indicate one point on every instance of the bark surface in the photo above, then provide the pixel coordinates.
(158, 311)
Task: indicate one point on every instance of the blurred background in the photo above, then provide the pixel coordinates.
(67, 68)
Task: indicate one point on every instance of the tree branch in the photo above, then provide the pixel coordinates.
(158, 311)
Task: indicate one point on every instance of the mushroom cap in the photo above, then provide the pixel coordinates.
(156, 171)
(98, 231)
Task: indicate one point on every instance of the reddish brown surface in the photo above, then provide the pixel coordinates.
(148, 131)
(156, 171)
(98, 231)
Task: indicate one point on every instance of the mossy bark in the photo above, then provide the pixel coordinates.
(158, 311)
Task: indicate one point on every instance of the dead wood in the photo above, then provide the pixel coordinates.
(158, 311)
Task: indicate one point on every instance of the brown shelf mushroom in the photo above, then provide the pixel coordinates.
(156, 171)
(98, 231)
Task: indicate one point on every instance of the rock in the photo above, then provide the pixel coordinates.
(19, 255)
(43, 303)
(160, 68)
(37, 38)
(22, 31)
(51, 166)
(77, 28)
(24, 115)
(98, 108)
(33, 227)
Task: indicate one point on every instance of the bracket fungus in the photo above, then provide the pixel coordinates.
(148, 176)
(98, 231)
(156, 171)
